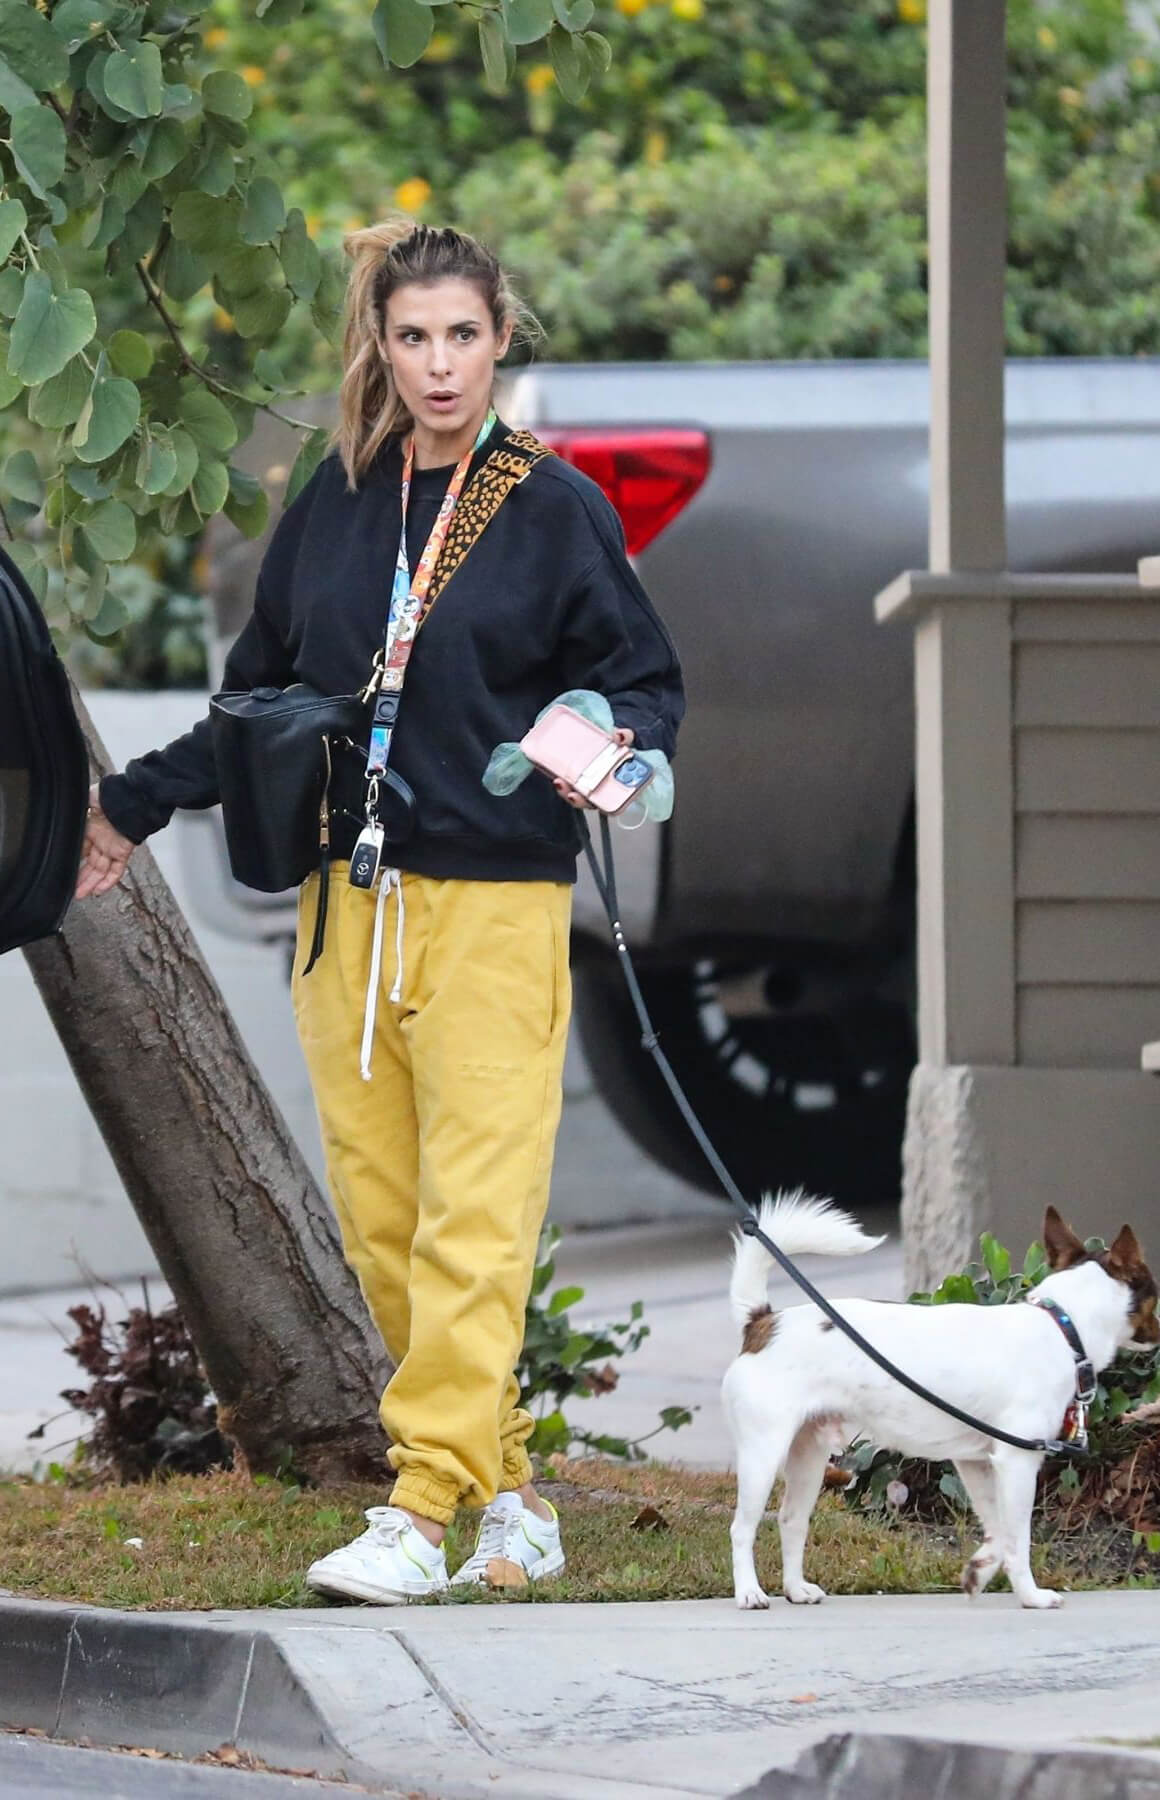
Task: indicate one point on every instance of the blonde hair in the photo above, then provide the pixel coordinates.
(385, 256)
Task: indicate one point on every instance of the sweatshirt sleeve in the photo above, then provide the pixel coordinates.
(614, 641)
(142, 798)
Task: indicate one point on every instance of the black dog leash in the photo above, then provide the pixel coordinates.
(606, 887)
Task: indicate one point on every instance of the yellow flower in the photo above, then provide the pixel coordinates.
(912, 12)
(313, 223)
(690, 10)
(655, 147)
(724, 284)
(1047, 37)
(222, 319)
(540, 79)
(412, 196)
(355, 222)
(216, 37)
(253, 74)
(441, 47)
(1069, 96)
(630, 8)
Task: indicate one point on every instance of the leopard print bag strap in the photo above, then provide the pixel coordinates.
(509, 464)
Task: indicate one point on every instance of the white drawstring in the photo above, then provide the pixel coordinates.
(390, 878)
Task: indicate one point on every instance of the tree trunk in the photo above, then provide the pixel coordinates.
(241, 1232)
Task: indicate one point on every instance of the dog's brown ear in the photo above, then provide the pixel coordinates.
(1063, 1248)
(1124, 1256)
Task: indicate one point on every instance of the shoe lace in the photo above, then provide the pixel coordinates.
(385, 1526)
(495, 1533)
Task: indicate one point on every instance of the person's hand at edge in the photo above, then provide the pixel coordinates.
(623, 735)
(105, 854)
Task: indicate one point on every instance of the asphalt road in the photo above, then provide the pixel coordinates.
(30, 1769)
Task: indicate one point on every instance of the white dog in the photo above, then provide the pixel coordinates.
(800, 1390)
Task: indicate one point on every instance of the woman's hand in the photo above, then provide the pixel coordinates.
(623, 735)
(106, 852)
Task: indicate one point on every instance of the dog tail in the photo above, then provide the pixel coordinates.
(799, 1225)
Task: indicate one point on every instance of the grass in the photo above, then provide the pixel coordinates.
(226, 1541)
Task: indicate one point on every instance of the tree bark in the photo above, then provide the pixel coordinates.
(238, 1225)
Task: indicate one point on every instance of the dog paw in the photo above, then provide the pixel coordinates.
(1041, 1599)
(752, 1599)
(804, 1593)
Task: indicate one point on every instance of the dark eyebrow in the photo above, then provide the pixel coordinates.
(458, 326)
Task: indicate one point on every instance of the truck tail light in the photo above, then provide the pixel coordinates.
(649, 475)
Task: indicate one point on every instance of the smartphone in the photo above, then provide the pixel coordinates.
(566, 744)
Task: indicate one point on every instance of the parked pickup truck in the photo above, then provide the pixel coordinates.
(765, 504)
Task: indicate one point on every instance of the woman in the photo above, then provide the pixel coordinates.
(452, 978)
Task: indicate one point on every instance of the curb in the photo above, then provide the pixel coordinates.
(859, 1766)
(135, 1679)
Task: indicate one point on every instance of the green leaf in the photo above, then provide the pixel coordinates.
(86, 481)
(305, 463)
(111, 531)
(956, 1290)
(278, 12)
(38, 147)
(184, 272)
(167, 145)
(210, 486)
(246, 269)
(106, 223)
(206, 222)
(21, 478)
(30, 46)
(156, 465)
(264, 212)
(299, 254)
(142, 224)
(14, 93)
(575, 15)
(570, 62)
(491, 47)
(226, 95)
(207, 421)
(263, 313)
(11, 292)
(403, 30)
(95, 83)
(997, 1259)
(185, 451)
(77, 22)
(48, 329)
(599, 51)
(562, 1299)
(248, 510)
(13, 220)
(179, 97)
(215, 172)
(527, 20)
(108, 417)
(130, 354)
(25, 556)
(10, 385)
(110, 619)
(133, 80)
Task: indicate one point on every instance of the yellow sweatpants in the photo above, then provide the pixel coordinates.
(439, 1165)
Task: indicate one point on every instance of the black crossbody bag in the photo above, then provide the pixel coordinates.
(274, 747)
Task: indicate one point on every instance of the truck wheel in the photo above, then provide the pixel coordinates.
(787, 1098)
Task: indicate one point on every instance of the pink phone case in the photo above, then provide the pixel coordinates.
(564, 743)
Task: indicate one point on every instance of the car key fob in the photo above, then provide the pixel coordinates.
(367, 855)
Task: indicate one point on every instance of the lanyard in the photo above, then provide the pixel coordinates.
(408, 597)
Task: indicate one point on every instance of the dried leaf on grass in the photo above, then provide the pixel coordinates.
(650, 1518)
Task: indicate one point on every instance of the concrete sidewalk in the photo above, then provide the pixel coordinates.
(678, 1268)
(588, 1702)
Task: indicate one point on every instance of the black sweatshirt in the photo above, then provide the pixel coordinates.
(545, 600)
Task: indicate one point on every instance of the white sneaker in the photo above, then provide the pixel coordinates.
(389, 1563)
(511, 1535)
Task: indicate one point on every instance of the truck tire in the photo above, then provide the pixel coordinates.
(787, 1100)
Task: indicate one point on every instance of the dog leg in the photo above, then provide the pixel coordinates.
(1015, 1476)
(979, 1480)
(758, 1462)
(804, 1467)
